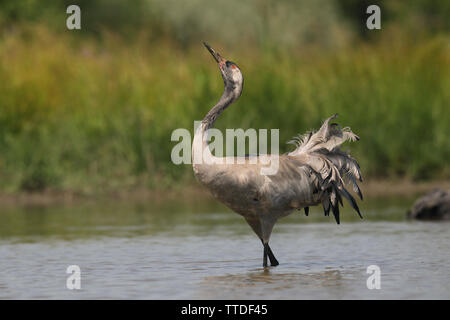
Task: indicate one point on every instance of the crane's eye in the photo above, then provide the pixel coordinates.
(231, 65)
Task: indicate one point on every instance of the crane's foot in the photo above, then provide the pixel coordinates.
(269, 254)
(273, 261)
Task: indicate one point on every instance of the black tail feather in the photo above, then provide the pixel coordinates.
(326, 211)
(359, 193)
(351, 200)
(339, 198)
(336, 213)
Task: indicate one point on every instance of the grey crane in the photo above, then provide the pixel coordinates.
(312, 174)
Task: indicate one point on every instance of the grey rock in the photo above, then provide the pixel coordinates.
(432, 206)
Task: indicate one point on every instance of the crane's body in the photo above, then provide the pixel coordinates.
(310, 175)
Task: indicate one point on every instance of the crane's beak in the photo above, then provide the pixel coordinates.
(215, 54)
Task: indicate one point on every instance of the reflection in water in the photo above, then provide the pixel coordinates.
(182, 252)
(98, 219)
(274, 281)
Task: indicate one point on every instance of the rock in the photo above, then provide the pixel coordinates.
(432, 206)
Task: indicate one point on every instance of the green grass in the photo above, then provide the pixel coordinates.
(91, 117)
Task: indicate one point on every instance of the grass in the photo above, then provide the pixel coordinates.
(96, 116)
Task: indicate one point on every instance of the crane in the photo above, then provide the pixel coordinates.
(315, 173)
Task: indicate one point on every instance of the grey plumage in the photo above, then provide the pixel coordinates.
(312, 174)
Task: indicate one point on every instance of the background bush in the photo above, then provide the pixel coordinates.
(93, 110)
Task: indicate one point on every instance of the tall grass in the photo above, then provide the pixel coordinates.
(97, 116)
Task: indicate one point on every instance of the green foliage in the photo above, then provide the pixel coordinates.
(95, 114)
(94, 118)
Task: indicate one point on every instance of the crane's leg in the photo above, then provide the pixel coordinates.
(255, 224)
(265, 255)
(268, 253)
(273, 261)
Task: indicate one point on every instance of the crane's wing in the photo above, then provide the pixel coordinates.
(332, 166)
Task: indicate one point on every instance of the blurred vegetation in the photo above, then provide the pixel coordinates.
(93, 110)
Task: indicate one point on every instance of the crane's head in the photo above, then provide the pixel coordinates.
(231, 74)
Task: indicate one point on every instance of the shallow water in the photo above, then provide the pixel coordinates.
(198, 251)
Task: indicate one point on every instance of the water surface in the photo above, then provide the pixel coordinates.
(204, 251)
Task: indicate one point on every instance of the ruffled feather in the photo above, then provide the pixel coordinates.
(332, 166)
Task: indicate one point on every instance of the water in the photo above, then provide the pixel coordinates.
(203, 251)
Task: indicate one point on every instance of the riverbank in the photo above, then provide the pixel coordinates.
(194, 193)
(97, 117)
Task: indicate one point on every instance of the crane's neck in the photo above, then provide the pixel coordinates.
(225, 100)
(200, 149)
